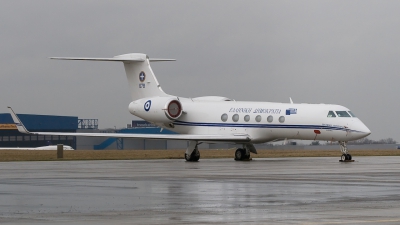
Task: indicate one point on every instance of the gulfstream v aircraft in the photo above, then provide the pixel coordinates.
(240, 122)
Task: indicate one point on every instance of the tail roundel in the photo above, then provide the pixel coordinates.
(141, 79)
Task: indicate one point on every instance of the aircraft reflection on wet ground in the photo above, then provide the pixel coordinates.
(212, 191)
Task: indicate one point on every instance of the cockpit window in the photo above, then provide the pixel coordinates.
(352, 114)
(342, 114)
(331, 114)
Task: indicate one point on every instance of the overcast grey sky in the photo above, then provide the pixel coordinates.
(339, 52)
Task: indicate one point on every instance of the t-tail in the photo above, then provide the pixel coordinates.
(142, 81)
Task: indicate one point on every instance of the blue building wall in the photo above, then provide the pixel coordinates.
(43, 122)
(46, 123)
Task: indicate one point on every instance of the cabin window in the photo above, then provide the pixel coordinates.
(342, 114)
(331, 114)
(270, 119)
(281, 119)
(247, 118)
(352, 114)
(235, 117)
(258, 118)
(224, 117)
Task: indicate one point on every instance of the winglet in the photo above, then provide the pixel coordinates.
(291, 101)
(21, 128)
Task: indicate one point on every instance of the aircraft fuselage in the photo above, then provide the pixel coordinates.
(262, 121)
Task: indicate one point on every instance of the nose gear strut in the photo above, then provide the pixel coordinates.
(346, 157)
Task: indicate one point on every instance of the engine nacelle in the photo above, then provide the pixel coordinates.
(157, 109)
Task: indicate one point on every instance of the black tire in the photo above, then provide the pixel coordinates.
(240, 154)
(194, 157)
(246, 157)
(349, 157)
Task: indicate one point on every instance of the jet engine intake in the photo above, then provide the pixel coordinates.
(157, 109)
(173, 109)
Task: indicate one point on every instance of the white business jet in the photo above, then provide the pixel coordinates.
(214, 119)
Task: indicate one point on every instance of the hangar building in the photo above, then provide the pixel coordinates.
(10, 137)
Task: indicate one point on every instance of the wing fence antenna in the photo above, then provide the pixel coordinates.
(21, 128)
(291, 101)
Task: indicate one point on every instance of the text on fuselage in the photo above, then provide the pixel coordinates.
(257, 110)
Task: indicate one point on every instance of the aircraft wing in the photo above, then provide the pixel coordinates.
(189, 137)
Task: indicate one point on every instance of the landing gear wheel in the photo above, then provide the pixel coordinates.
(240, 154)
(194, 157)
(346, 157)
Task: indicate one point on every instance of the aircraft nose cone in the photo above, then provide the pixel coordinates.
(364, 131)
(367, 131)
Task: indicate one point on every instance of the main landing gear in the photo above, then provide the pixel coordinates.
(192, 153)
(346, 157)
(242, 154)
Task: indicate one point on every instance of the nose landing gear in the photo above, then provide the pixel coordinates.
(346, 157)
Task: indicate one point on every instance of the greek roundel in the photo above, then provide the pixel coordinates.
(142, 76)
(147, 105)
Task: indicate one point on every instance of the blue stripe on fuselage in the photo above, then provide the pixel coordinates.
(287, 126)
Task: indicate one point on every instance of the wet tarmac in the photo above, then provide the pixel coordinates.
(212, 191)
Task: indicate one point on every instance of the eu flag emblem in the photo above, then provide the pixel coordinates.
(291, 111)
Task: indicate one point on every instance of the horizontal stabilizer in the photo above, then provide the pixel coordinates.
(112, 59)
(101, 59)
(132, 57)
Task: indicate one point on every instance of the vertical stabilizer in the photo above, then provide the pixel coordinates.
(141, 79)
